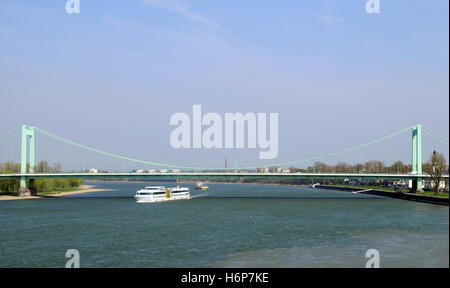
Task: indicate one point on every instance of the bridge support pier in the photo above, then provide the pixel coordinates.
(27, 134)
(416, 186)
(24, 192)
(27, 190)
(417, 158)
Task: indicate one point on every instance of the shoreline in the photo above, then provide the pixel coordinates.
(11, 197)
(83, 189)
(380, 192)
(391, 194)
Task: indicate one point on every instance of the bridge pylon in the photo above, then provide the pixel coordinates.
(417, 157)
(27, 136)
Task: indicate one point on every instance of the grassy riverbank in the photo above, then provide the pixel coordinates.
(43, 186)
(431, 193)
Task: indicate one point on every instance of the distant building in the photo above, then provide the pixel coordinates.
(175, 170)
(162, 170)
(151, 170)
(93, 170)
(275, 169)
(429, 185)
(262, 170)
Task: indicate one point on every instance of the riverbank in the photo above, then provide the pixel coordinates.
(392, 194)
(11, 197)
(82, 189)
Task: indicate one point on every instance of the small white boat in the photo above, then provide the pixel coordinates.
(313, 185)
(154, 194)
(201, 185)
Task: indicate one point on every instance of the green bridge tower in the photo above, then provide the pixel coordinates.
(417, 156)
(27, 135)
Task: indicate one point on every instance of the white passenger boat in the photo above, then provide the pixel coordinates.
(154, 194)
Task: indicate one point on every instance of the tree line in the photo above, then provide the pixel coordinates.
(436, 161)
(12, 186)
(373, 166)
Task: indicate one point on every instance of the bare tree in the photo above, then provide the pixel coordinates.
(397, 167)
(374, 166)
(436, 167)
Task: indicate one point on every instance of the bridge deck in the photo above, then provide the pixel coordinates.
(218, 175)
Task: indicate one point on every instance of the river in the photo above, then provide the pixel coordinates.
(230, 225)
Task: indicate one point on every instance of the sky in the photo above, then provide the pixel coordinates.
(111, 76)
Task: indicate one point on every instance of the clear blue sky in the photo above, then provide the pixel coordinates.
(111, 76)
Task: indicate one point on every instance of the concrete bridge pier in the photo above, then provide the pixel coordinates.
(416, 185)
(25, 190)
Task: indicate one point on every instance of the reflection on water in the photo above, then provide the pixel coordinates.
(229, 225)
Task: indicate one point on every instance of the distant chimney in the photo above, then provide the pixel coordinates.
(226, 164)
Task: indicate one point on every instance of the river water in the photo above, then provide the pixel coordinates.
(230, 225)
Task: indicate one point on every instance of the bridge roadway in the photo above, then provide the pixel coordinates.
(218, 175)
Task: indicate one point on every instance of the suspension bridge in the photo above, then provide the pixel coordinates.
(28, 173)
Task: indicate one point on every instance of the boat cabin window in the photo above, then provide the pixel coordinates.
(144, 193)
